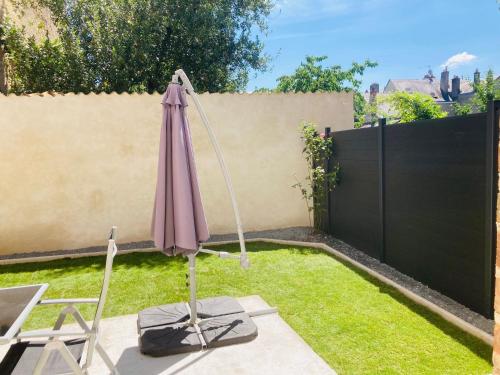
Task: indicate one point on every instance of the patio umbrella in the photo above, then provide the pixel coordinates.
(179, 227)
(179, 224)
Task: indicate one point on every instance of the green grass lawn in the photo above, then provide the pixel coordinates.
(357, 324)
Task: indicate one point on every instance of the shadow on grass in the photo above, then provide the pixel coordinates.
(68, 265)
(255, 247)
(138, 259)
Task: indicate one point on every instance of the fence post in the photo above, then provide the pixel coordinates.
(381, 186)
(328, 131)
(492, 123)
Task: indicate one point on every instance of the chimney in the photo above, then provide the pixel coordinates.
(374, 90)
(445, 84)
(477, 78)
(455, 88)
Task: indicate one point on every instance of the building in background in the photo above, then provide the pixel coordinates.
(444, 91)
(460, 91)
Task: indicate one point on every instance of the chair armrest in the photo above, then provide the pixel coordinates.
(50, 333)
(68, 301)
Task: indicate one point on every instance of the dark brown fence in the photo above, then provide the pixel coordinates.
(421, 197)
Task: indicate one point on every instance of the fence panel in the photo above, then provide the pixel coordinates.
(354, 203)
(421, 197)
(435, 206)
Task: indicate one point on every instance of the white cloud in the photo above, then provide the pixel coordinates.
(458, 59)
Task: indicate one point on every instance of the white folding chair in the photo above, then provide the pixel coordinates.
(56, 351)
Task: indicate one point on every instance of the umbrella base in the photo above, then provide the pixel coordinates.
(165, 330)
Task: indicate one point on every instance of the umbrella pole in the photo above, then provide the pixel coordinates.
(187, 84)
(192, 289)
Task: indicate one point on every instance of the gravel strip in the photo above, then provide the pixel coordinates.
(305, 234)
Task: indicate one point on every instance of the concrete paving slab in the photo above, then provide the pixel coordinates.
(278, 349)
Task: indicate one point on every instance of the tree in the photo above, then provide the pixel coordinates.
(135, 45)
(312, 76)
(461, 109)
(406, 107)
(484, 91)
(49, 65)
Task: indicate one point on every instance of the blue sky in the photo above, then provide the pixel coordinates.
(405, 37)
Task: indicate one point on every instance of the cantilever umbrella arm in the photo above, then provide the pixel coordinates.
(189, 88)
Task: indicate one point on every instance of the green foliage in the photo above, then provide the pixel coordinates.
(135, 45)
(263, 90)
(50, 65)
(370, 114)
(461, 109)
(312, 76)
(317, 150)
(406, 107)
(361, 108)
(485, 91)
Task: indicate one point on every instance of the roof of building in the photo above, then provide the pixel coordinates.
(423, 86)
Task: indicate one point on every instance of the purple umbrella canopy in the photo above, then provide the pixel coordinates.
(179, 223)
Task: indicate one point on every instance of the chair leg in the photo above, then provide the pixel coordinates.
(42, 361)
(65, 353)
(109, 363)
(68, 357)
(90, 351)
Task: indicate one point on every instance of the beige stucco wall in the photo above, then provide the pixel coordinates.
(73, 165)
